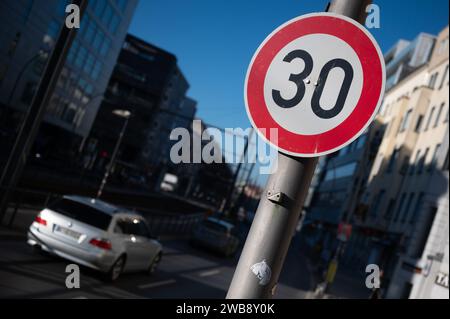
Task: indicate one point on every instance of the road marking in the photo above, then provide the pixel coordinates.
(209, 273)
(157, 284)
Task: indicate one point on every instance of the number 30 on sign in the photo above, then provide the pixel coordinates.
(319, 79)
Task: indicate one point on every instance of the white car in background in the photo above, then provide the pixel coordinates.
(96, 234)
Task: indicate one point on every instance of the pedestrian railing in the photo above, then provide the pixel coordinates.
(173, 224)
(25, 204)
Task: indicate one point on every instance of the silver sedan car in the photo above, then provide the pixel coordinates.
(96, 234)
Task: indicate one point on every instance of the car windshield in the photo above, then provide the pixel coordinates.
(215, 226)
(82, 213)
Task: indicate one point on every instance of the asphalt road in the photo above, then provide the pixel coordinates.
(185, 272)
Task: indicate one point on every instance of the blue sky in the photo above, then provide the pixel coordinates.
(214, 40)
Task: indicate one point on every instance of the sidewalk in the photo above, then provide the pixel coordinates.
(348, 283)
(345, 286)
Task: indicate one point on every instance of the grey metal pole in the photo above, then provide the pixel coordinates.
(355, 9)
(272, 229)
(279, 209)
(113, 158)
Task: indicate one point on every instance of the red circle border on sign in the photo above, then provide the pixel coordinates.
(371, 61)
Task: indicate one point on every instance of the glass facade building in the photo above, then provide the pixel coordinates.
(29, 31)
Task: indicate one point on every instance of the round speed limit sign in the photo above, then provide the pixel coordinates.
(319, 80)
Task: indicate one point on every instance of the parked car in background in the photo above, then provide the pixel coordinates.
(217, 235)
(96, 234)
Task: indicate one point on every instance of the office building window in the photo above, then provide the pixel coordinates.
(430, 118)
(377, 203)
(361, 141)
(417, 208)
(444, 76)
(422, 161)
(96, 70)
(79, 114)
(98, 40)
(73, 51)
(61, 107)
(418, 123)
(81, 57)
(392, 160)
(438, 115)
(107, 14)
(341, 171)
(343, 151)
(433, 79)
(400, 207)
(416, 163)
(443, 46)
(89, 64)
(435, 156)
(69, 113)
(405, 123)
(90, 28)
(89, 89)
(390, 209)
(400, 125)
(405, 213)
(105, 47)
(405, 165)
(54, 101)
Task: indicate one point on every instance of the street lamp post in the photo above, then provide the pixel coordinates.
(41, 54)
(95, 97)
(126, 115)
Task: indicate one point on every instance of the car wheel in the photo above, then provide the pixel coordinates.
(116, 269)
(154, 264)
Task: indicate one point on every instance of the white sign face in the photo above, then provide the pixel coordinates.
(318, 80)
(442, 279)
(322, 48)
